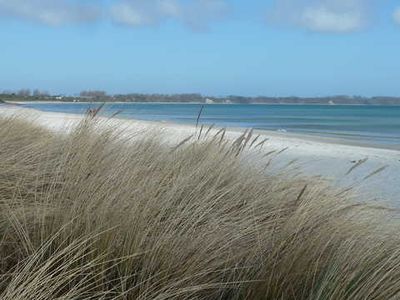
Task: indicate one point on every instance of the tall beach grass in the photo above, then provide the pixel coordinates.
(97, 213)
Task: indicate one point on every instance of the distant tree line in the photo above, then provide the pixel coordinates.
(102, 96)
(93, 94)
(159, 98)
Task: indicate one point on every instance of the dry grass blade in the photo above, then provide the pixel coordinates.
(261, 144)
(201, 130)
(377, 171)
(254, 140)
(281, 151)
(269, 153)
(115, 114)
(94, 112)
(199, 116)
(209, 130)
(303, 190)
(184, 141)
(356, 165)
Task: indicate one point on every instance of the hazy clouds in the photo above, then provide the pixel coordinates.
(144, 12)
(195, 13)
(338, 16)
(396, 16)
(329, 16)
(49, 12)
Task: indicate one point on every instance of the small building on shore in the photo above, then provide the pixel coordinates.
(210, 101)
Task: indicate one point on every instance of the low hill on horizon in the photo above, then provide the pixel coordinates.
(97, 96)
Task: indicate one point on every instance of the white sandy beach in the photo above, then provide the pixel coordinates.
(330, 160)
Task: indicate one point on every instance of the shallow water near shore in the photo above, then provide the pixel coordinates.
(367, 124)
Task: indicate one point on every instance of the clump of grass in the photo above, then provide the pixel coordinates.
(95, 214)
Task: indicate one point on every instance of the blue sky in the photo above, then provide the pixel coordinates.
(214, 47)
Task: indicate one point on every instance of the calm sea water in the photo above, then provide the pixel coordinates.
(372, 124)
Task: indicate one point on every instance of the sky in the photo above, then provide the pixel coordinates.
(213, 47)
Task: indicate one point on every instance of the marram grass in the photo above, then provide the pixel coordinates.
(95, 214)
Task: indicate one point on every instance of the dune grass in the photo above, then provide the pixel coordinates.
(99, 214)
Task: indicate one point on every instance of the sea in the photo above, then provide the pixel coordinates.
(377, 125)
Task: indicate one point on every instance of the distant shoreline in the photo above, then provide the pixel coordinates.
(26, 95)
(191, 103)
